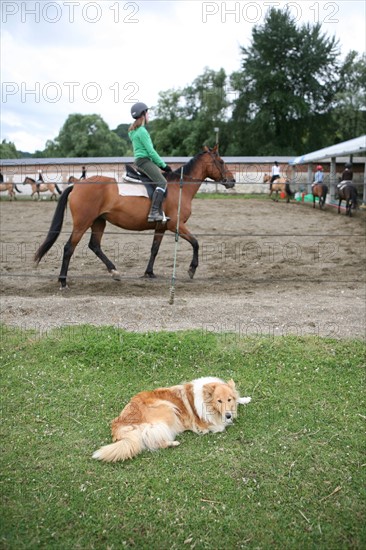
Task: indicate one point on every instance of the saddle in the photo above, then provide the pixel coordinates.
(342, 184)
(133, 175)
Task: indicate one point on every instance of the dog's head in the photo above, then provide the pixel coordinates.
(220, 402)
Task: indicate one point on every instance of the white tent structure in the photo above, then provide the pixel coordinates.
(349, 148)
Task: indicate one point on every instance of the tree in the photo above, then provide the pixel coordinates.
(288, 76)
(186, 118)
(85, 136)
(122, 131)
(349, 115)
(8, 150)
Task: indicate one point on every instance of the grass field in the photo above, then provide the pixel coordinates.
(289, 474)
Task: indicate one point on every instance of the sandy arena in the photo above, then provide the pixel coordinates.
(265, 268)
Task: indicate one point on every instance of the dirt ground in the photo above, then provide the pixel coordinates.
(265, 268)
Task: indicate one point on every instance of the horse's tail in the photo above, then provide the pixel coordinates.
(325, 191)
(288, 190)
(15, 187)
(56, 226)
(58, 189)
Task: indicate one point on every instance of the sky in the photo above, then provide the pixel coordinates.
(66, 56)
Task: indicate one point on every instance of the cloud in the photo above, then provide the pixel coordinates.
(60, 57)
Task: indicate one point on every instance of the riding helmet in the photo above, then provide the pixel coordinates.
(319, 167)
(138, 109)
(348, 165)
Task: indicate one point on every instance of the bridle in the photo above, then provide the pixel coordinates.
(218, 165)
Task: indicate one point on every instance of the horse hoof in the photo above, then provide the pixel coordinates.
(115, 275)
(149, 275)
(64, 288)
(191, 273)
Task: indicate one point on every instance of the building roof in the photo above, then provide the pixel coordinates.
(87, 161)
(350, 147)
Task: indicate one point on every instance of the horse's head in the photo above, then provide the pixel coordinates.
(266, 178)
(216, 168)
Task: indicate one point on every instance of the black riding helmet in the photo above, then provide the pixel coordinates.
(138, 109)
(348, 165)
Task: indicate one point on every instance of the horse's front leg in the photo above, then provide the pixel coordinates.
(187, 236)
(158, 237)
(339, 206)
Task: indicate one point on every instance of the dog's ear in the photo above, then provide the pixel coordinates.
(209, 389)
(231, 384)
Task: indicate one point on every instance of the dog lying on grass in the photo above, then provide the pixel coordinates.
(153, 419)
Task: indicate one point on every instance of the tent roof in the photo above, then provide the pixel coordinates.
(350, 147)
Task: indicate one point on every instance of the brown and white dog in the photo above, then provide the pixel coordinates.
(153, 419)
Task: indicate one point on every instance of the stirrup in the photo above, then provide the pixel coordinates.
(164, 218)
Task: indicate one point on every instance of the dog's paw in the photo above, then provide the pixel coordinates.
(244, 400)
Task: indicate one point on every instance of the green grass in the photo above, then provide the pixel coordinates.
(289, 474)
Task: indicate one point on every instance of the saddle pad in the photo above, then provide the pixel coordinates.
(132, 190)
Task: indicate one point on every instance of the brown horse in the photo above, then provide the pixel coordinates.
(347, 192)
(319, 190)
(95, 200)
(9, 187)
(42, 188)
(281, 185)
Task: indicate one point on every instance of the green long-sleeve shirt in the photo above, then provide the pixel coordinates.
(143, 146)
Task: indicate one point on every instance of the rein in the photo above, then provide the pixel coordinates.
(198, 180)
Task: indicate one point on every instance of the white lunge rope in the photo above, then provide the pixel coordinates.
(172, 288)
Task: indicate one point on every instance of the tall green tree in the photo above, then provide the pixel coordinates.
(287, 81)
(85, 136)
(186, 117)
(349, 114)
(8, 150)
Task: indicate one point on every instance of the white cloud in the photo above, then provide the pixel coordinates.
(99, 57)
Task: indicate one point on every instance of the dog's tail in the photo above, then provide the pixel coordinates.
(135, 439)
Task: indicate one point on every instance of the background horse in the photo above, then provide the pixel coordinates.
(43, 187)
(280, 184)
(95, 200)
(9, 187)
(347, 192)
(319, 190)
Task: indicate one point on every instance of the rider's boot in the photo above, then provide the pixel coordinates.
(156, 214)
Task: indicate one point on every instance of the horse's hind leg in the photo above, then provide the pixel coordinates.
(68, 252)
(98, 228)
(158, 237)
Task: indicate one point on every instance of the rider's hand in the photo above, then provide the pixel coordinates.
(167, 169)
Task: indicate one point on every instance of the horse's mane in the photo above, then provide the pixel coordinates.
(188, 167)
(34, 181)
